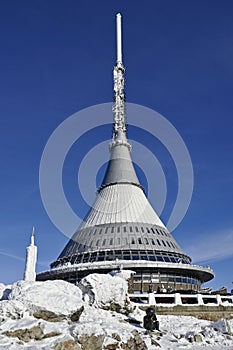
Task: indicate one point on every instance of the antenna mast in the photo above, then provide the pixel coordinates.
(118, 78)
(118, 39)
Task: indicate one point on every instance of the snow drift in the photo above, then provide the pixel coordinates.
(95, 316)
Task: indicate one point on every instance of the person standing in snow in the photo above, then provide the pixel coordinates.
(150, 322)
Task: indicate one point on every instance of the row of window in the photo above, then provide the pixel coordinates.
(110, 255)
(130, 229)
(166, 278)
(132, 240)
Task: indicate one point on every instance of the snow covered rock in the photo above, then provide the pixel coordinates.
(222, 326)
(59, 297)
(106, 292)
(52, 301)
(28, 334)
(4, 291)
(13, 309)
(108, 329)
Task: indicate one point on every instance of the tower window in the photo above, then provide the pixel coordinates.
(111, 241)
(139, 240)
(158, 232)
(125, 230)
(100, 231)
(118, 229)
(148, 230)
(136, 228)
(161, 232)
(166, 258)
(168, 244)
(112, 230)
(152, 241)
(97, 242)
(106, 230)
(133, 241)
(104, 241)
(152, 230)
(131, 229)
(146, 240)
(142, 229)
(158, 241)
(164, 243)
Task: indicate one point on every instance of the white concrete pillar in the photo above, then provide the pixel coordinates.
(200, 299)
(178, 300)
(151, 299)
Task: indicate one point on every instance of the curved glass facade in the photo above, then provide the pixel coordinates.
(111, 255)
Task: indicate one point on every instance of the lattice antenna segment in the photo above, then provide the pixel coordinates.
(118, 78)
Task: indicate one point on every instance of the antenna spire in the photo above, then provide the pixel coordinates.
(118, 39)
(118, 79)
(32, 236)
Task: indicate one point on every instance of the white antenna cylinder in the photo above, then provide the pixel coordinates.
(119, 38)
(32, 236)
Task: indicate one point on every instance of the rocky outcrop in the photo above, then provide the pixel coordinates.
(67, 345)
(28, 334)
(74, 317)
(99, 342)
(134, 343)
(49, 316)
(91, 342)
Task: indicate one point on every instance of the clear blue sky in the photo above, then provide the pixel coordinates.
(56, 59)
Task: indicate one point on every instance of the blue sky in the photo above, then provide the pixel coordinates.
(57, 58)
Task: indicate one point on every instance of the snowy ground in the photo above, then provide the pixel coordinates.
(93, 316)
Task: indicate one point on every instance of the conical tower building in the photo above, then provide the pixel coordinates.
(122, 230)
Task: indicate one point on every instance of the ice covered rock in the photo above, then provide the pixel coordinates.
(222, 326)
(13, 309)
(58, 296)
(4, 291)
(106, 291)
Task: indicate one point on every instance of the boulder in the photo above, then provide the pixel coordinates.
(59, 297)
(106, 292)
